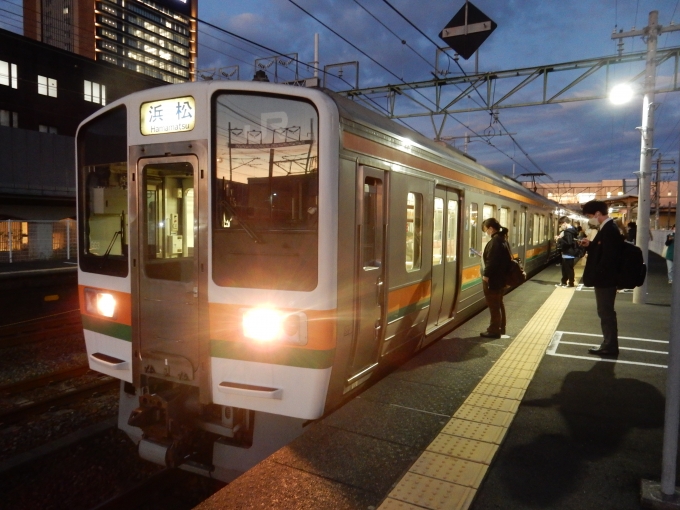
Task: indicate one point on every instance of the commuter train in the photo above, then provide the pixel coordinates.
(251, 253)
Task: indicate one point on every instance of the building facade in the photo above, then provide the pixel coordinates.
(620, 194)
(157, 38)
(45, 93)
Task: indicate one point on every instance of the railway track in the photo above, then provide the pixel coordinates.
(57, 394)
(41, 328)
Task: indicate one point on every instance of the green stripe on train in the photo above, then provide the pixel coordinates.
(272, 354)
(471, 283)
(114, 329)
(406, 310)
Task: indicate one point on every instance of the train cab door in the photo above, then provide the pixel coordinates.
(444, 257)
(369, 288)
(167, 307)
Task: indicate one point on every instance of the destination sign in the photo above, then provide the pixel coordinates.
(168, 116)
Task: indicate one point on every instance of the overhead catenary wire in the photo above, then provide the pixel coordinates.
(397, 77)
(461, 69)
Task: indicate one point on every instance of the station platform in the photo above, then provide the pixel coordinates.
(37, 267)
(531, 420)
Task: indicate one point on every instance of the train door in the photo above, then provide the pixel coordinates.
(369, 286)
(168, 311)
(444, 257)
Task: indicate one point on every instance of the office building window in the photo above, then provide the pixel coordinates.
(94, 92)
(47, 129)
(8, 74)
(9, 119)
(47, 86)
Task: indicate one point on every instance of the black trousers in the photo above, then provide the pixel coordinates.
(494, 300)
(605, 298)
(568, 271)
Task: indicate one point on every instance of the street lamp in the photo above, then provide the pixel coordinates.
(621, 93)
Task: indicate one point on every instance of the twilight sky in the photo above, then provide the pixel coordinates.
(578, 141)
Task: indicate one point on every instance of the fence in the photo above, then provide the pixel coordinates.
(24, 241)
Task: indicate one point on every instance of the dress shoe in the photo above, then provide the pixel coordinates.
(603, 351)
(486, 334)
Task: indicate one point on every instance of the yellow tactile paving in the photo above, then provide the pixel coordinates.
(427, 492)
(481, 415)
(494, 390)
(443, 467)
(506, 380)
(488, 402)
(475, 430)
(462, 448)
(448, 473)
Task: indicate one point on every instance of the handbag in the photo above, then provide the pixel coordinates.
(516, 275)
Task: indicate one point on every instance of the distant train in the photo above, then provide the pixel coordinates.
(251, 253)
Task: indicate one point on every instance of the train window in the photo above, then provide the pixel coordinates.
(438, 231)
(266, 192)
(473, 227)
(503, 216)
(168, 220)
(542, 228)
(515, 230)
(414, 231)
(452, 231)
(488, 211)
(522, 227)
(102, 194)
(372, 236)
(535, 231)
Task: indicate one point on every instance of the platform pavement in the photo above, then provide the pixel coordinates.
(585, 434)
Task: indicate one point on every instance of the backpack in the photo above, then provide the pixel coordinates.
(632, 271)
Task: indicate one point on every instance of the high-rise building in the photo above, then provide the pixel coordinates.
(154, 37)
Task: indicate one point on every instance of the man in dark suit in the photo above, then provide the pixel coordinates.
(602, 266)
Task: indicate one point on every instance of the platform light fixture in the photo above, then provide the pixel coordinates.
(621, 93)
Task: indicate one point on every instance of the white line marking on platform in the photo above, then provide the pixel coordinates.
(551, 350)
(620, 348)
(554, 342)
(593, 358)
(620, 338)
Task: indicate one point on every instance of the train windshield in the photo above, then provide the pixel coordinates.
(102, 194)
(266, 182)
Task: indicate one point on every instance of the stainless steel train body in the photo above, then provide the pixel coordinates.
(250, 253)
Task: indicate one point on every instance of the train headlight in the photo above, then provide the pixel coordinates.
(271, 325)
(100, 303)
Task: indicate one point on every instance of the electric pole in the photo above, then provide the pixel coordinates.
(650, 33)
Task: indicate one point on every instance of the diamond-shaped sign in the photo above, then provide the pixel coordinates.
(467, 30)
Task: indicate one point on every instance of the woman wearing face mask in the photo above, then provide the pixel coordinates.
(602, 264)
(496, 265)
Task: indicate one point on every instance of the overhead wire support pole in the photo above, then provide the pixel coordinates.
(651, 33)
(667, 492)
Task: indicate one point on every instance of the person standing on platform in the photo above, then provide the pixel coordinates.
(670, 248)
(566, 243)
(602, 265)
(496, 258)
(632, 232)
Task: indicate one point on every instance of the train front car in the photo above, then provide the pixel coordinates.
(208, 246)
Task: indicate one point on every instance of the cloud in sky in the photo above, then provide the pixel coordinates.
(569, 141)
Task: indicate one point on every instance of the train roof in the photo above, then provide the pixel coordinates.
(355, 112)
